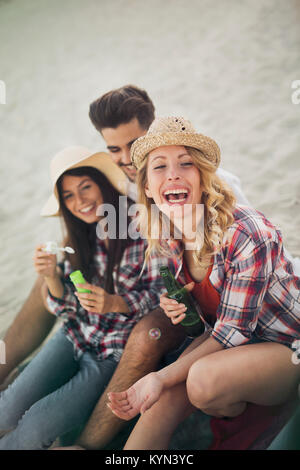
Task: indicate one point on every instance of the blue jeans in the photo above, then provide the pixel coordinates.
(53, 395)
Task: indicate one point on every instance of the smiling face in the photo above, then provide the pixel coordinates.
(119, 141)
(173, 180)
(81, 196)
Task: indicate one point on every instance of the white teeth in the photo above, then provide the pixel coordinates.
(86, 209)
(175, 191)
(177, 200)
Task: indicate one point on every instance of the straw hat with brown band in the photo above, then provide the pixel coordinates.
(173, 130)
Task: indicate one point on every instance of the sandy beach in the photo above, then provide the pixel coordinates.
(227, 66)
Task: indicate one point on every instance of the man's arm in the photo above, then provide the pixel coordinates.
(28, 330)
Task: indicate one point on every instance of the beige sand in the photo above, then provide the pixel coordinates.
(227, 66)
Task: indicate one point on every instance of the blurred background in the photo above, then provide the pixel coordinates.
(228, 66)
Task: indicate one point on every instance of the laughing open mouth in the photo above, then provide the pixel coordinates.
(87, 209)
(176, 195)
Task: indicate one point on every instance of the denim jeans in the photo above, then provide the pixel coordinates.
(53, 395)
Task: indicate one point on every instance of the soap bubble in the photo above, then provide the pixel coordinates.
(155, 333)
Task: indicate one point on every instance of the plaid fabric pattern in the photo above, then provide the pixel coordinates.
(106, 334)
(260, 294)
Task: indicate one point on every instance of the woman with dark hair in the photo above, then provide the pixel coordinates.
(59, 388)
(81, 234)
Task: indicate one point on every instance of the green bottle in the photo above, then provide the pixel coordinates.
(192, 323)
(77, 278)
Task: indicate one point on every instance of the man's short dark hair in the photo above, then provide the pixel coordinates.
(120, 106)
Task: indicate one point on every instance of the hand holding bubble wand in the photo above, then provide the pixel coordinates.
(45, 258)
(53, 248)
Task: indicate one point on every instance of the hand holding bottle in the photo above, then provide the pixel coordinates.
(95, 299)
(188, 317)
(173, 309)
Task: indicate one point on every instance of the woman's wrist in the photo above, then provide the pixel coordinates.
(55, 286)
(178, 371)
(52, 278)
(166, 377)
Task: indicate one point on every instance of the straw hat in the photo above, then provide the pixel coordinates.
(74, 157)
(173, 131)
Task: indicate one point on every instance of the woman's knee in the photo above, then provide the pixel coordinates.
(201, 385)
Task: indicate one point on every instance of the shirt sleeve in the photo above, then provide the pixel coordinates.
(68, 305)
(243, 292)
(140, 288)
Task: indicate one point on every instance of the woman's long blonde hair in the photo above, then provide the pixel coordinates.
(218, 201)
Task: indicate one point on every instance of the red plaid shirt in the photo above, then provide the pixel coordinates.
(106, 334)
(259, 292)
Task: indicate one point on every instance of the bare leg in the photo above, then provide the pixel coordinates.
(141, 356)
(28, 330)
(220, 384)
(223, 383)
(156, 426)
